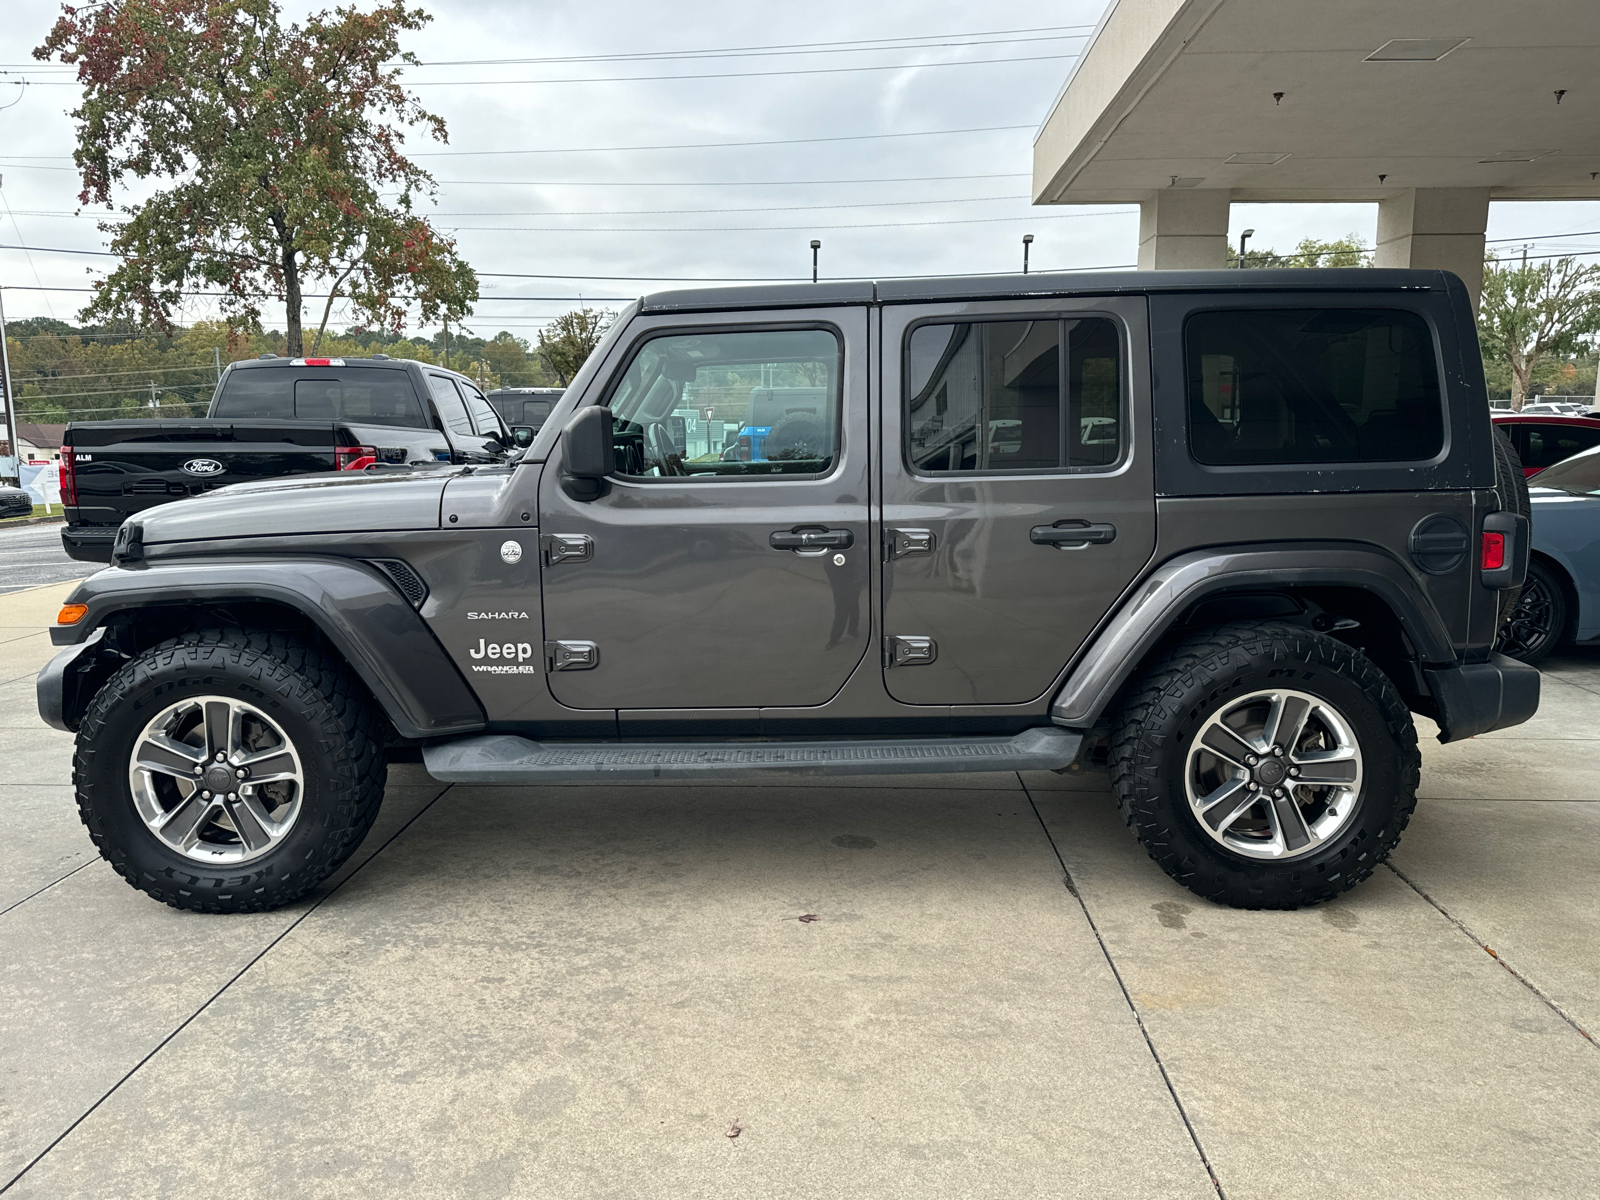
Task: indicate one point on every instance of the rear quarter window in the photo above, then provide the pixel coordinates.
(360, 395)
(1312, 385)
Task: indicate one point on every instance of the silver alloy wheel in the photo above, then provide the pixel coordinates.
(1274, 775)
(216, 780)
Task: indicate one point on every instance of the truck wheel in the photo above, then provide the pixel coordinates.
(1265, 765)
(229, 771)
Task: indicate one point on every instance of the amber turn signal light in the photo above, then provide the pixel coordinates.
(71, 614)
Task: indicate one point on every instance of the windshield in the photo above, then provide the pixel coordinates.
(1579, 474)
(361, 395)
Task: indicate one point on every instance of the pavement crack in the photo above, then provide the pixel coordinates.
(212, 999)
(44, 889)
(1127, 996)
(1495, 954)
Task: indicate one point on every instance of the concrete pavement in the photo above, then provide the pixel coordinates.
(582, 992)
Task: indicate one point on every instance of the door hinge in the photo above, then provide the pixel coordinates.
(566, 547)
(571, 656)
(902, 650)
(897, 543)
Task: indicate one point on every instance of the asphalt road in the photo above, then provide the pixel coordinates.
(31, 555)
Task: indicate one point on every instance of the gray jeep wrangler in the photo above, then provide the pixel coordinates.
(1221, 532)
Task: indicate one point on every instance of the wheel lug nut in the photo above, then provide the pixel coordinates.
(1251, 759)
(199, 770)
(240, 773)
(221, 756)
(205, 795)
(1278, 792)
(1252, 785)
(233, 795)
(1278, 751)
(1294, 771)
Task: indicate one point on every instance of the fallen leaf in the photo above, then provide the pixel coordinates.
(735, 1130)
(807, 918)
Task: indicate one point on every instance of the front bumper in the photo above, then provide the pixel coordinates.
(1475, 698)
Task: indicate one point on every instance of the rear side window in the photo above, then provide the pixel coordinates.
(1328, 385)
(450, 406)
(1013, 395)
(1550, 444)
(361, 395)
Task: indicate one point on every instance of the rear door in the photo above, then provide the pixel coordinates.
(1018, 497)
(707, 578)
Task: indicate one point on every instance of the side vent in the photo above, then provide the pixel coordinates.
(407, 580)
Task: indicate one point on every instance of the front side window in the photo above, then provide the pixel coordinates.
(1013, 395)
(1326, 385)
(483, 414)
(448, 401)
(730, 405)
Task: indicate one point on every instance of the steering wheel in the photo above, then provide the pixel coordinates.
(662, 451)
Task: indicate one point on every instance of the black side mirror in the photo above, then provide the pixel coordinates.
(588, 455)
(522, 436)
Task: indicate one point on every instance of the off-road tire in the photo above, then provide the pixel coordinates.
(1511, 485)
(1178, 694)
(335, 729)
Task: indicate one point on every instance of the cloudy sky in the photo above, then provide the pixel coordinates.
(575, 166)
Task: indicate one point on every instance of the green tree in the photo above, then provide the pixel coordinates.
(273, 148)
(1342, 252)
(1530, 312)
(566, 343)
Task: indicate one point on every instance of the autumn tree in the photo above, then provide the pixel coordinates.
(1530, 311)
(274, 151)
(566, 343)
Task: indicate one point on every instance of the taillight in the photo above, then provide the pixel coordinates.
(69, 477)
(744, 447)
(1493, 556)
(354, 458)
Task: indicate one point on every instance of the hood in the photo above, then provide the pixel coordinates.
(347, 502)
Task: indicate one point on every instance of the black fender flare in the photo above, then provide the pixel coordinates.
(382, 638)
(1154, 605)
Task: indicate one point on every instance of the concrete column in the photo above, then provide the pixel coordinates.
(1184, 229)
(1435, 228)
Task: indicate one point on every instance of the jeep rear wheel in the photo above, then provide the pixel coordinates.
(1266, 766)
(229, 771)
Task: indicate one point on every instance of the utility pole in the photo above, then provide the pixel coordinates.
(154, 402)
(216, 352)
(447, 343)
(1027, 242)
(5, 380)
(815, 246)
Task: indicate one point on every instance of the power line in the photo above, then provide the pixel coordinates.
(770, 228)
(774, 48)
(961, 62)
(755, 52)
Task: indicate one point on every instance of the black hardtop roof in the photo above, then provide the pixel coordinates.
(1023, 287)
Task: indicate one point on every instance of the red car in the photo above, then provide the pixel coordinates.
(1544, 440)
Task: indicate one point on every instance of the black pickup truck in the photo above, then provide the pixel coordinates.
(272, 417)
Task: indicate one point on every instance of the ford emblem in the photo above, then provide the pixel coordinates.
(203, 466)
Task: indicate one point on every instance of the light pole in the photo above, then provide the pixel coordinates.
(10, 427)
(1027, 241)
(1243, 238)
(815, 246)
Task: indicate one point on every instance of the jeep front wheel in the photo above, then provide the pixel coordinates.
(1266, 766)
(229, 771)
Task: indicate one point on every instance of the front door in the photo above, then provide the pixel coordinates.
(1018, 500)
(727, 564)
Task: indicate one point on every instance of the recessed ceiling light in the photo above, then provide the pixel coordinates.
(1266, 158)
(1415, 49)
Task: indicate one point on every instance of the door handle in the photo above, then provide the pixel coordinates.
(812, 537)
(1072, 535)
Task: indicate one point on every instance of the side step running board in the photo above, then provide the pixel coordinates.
(502, 758)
